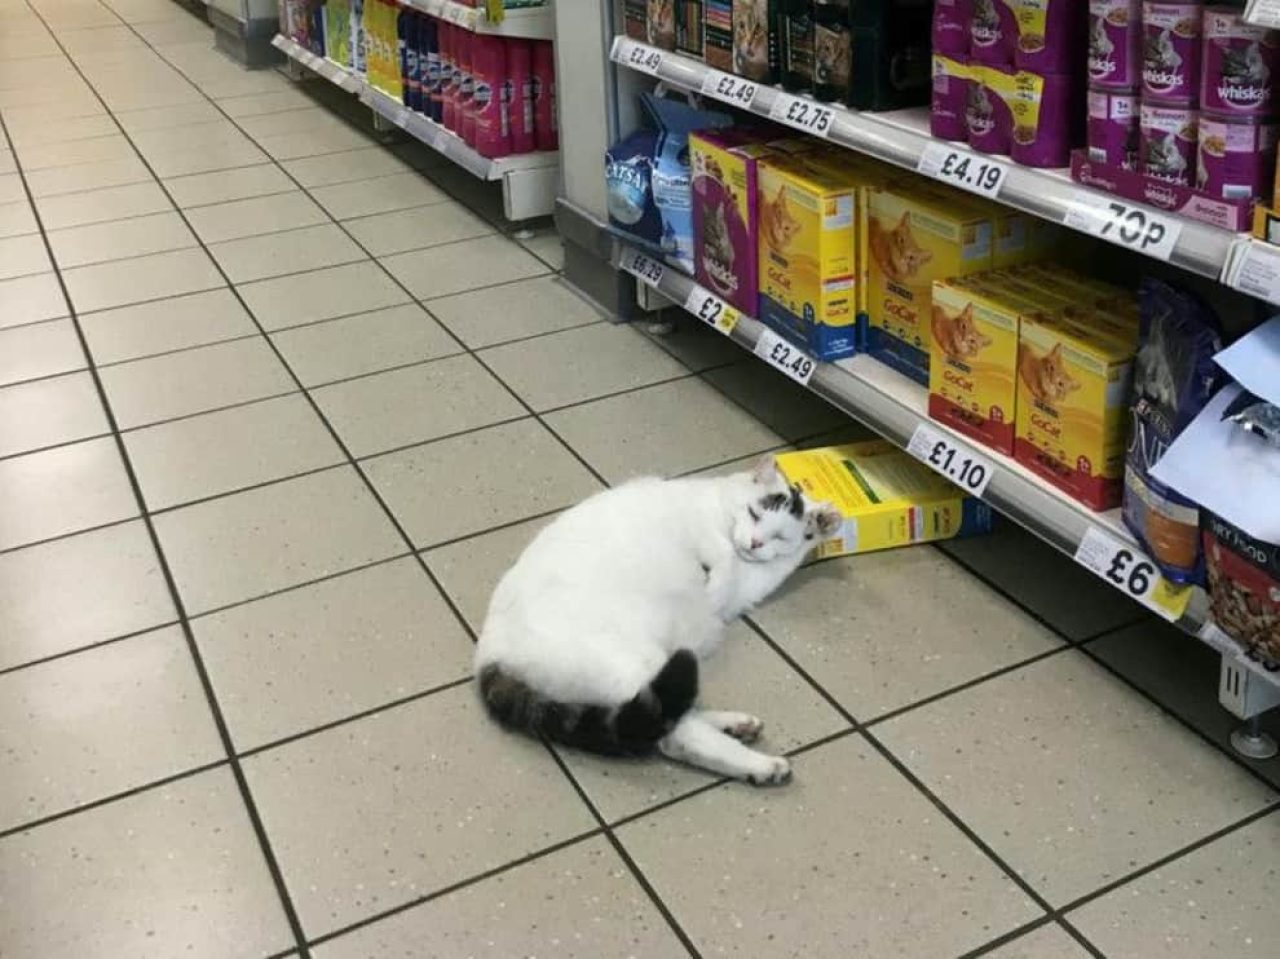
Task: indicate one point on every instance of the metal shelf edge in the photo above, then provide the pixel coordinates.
(533, 23)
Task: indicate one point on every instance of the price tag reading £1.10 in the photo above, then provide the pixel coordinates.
(1138, 228)
(977, 174)
(1131, 571)
(711, 310)
(951, 458)
(725, 86)
(644, 268)
(807, 116)
(785, 357)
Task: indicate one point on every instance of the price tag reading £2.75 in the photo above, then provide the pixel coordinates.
(644, 268)
(977, 174)
(785, 357)
(807, 116)
(1130, 225)
(1131, 571)
(951, 458)
(711, 310)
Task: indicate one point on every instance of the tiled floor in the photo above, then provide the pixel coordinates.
(277, 406)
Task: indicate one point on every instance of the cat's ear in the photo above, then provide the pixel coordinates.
(826, 519)
(1054, 354)
(904, 222)
(967, 312)
(765, 472)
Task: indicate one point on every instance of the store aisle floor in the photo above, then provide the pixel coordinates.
(279, 403)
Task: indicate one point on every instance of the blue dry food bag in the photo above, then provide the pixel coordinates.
(648, 181)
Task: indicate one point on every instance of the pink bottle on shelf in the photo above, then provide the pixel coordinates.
(489, 78)
(464, 47)
(545, 134)
(520, 76)
(448, 74)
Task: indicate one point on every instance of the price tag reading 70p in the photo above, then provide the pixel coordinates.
(785, 357)
(1131, 571)
(1129, 225)
(644, 268)
(711, 310)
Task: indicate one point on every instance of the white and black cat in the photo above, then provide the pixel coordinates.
(593, 637)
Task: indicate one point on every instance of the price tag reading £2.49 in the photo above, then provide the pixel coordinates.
(725, 86)
(711, 310)
(644, 268)
(1130, 225)
(977, 174)
(640, 57)
(954, 460)
(1131, 571)
(785, 357)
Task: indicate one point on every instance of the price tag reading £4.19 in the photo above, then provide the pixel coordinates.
(981, 175)
(785, 357)
(952, 459)
(1130, 225)
(1131, 571)
(711, 310)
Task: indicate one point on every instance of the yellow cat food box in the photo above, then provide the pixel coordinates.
(806, 239)
(915, 236)
(1088, 303)
(886, 497)
(973, 359)
(1020, 237)
(1072, 408)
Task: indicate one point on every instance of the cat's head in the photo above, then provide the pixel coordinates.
(1057, 379)
(773, 519)
(908, 255)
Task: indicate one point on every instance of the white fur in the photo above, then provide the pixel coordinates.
(599, 601)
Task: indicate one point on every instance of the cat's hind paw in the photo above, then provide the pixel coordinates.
(778, 771)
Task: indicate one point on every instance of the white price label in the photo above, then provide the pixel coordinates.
(644, 268)
(1126, 224)
(953, 459)
(1255, 269)
(457, 13)
(786, 357)
(1131, 571)
(969, 171)
(1262, 13)
(640, 57)
(711, 310)
(725, 86)
(808, 116)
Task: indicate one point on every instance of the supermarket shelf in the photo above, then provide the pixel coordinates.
(895, 407)
(532, 23)
(528, 179)
(902, 138)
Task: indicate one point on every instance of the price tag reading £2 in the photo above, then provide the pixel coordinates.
(954, 460)
(644, 268)
(977, 174)
(1131, 571)
(1130, 225)
(711, 310)
(785, 357)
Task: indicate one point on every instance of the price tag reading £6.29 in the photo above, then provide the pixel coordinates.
(785, 357)
(644, 268)
(1130, 225)
(954, 460)
(807, 116)
(977, 174)
(1131, 571)
(725, 86)
(711, 310)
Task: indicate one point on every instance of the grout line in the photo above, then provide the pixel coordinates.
(4, 551)
(97, 644)
(1017, 932)
(54, 446)
(237, 199)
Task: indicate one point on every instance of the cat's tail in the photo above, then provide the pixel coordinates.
(631, 729)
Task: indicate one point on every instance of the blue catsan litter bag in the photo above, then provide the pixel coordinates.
(648, 182)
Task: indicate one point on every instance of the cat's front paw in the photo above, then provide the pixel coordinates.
(746, 728)
(776, 771)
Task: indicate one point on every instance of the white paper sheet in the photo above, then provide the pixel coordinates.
(1253, 361)
(1229, 470)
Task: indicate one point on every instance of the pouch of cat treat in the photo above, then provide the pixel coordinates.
(950, 98)
(660, 23)
(717, 34)
(1171, 52)
(1243, 575)
(916, 235)
(986, 114)
(635, 19)
(973, 360)
(1040, 113)
(993, 32)
(950, 28)
(886, 497)
(1049, 35)
(1238, 62)
(807, 241)
(1175, 377)
(1112, 136)
(1167, 138)
(1235, 158)
(1115, 44)
(724, 214)
(755, 40)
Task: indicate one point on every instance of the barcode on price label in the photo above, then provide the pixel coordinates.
(1255, 269)
(644, 268)
(785, 357)
(969, 171)
(808, 116)
(1131, 571)
(953, 459)
(725, 86)
(711, 310)
(1126, 224)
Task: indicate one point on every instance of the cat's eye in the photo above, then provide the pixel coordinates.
(755, 517)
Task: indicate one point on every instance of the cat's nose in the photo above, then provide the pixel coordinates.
(756, 544)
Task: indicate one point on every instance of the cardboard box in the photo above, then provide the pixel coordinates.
(886, 497)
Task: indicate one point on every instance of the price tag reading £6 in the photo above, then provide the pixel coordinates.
(1130, 225)
(784, 357)
(644, 268)
(807, 116)
(1131, 571)
(954, 460)
(711, 310)
(977, 174)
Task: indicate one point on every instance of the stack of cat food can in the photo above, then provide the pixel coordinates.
(1003, 76)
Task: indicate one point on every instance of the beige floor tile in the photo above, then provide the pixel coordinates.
(364, 164)
(224, 186)
(744, 675)
(416, 228)
(104, 149)
(393, 409)
(249, 544)
(79, 128)
(79, 590)
(294, 661)
(1071, 778)
(305, 119)
(48, 412)
(512, 310)
(161, 326)
(193, 381)
(174, 870)
(365, 343)
(321, 295)
(216, 453)
(11, 189)
(101, 206)
(877, 647)
(258, 104)
(696, 345)
(547, 247)
(539, 908)
(377, 812)
(263, 257)
(384, 194)
(164, 118)
(120, 239)
(30, 299)
(789, 410)
(470, 569)
(106, 285)
(62, 491)
(176, 163)
(23, 256)
(1219, 900)
(17, 219)
(40, 349)
(83, 727)
(463, 266)
(663, 430)
(848, 859)
(268, 214)
(292, 146)
(87, 176)
(470, 483)
(1047, 942)
(213, 134)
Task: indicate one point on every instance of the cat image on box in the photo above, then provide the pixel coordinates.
(751, 40)
(957, 336)
(895, 249)
(593, 637)
(1046, 377)
(661, 25)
